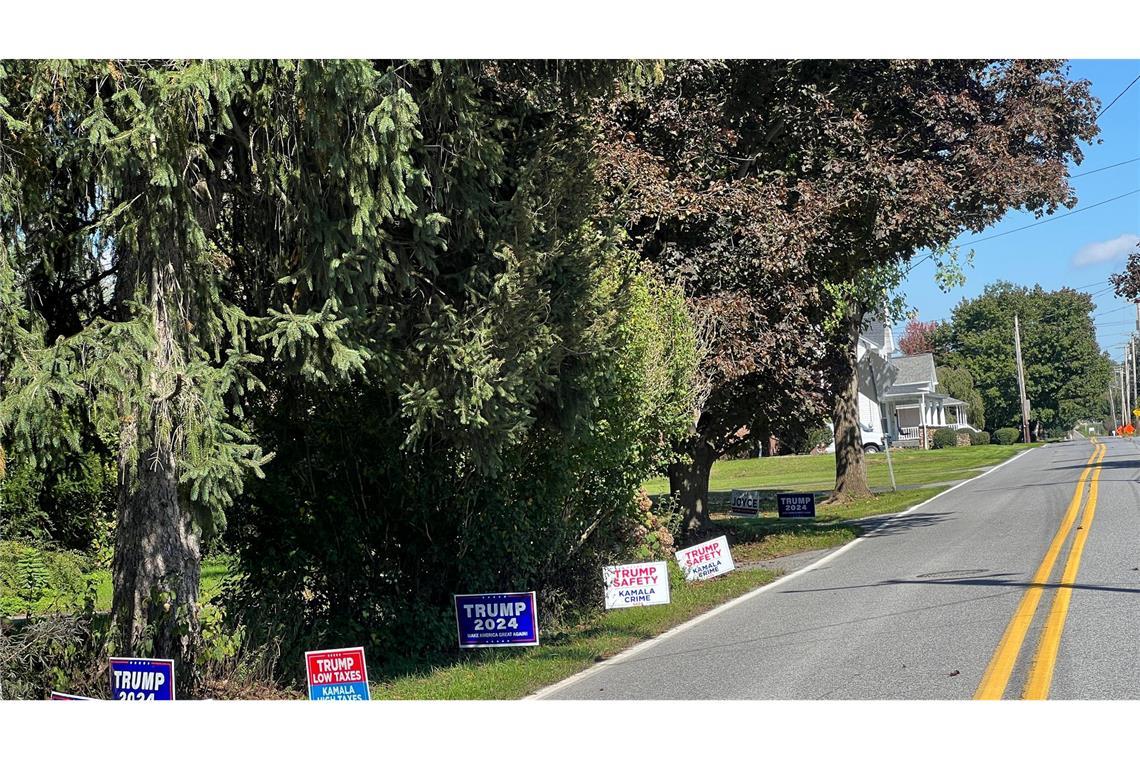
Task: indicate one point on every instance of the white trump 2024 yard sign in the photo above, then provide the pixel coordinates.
(706, 560)
(636, 585)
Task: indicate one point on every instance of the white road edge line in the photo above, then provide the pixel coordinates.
(546, 691)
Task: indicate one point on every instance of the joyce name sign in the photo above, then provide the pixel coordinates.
(796, 504)
(706, 560)
(636, 585)
(497, 620)
(745, 502)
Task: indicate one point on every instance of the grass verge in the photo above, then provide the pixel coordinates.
(766, 537)
(512, 674)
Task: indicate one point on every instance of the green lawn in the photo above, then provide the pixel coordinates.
(214, 571)
(817, 472)
(510, 674)
(754, 539)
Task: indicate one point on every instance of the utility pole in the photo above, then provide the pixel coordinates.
(1132, 352)
(1112, 406)
(1021, 379)
(1123, 399)
(1124, 387)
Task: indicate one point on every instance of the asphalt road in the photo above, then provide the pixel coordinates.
(955, 600)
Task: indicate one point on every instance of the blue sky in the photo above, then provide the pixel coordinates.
(1080, 251)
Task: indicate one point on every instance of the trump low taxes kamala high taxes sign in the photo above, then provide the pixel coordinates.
(337, 674)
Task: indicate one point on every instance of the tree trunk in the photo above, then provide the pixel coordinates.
(850, 472)
(157, 558)
(157, 564)
(689, 480)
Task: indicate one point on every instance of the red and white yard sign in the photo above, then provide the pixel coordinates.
(706, 560)
(337, 674)
(638, 585)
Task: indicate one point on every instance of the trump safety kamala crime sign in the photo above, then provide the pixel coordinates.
(497, 620)
(636, 585)
(337, 674)
(795, 504)
(137, 679)
(706, 560)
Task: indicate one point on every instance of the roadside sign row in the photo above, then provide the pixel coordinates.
(481, 620)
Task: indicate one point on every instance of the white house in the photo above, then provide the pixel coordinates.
(898, 395)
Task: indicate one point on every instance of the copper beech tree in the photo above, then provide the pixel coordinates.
(775, 192)
(703, 217)
(1126, 283)
(915, 153)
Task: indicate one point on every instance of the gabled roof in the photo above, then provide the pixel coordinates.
(914, 369)
(879, 336)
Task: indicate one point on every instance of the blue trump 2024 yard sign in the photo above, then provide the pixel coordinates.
(138, 679)
(796, 504)
(496, 620)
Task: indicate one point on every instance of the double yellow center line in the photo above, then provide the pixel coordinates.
(998, 672)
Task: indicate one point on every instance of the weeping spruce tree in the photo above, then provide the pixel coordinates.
(119, 184)
(170, 231)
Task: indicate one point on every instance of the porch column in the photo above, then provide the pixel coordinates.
(922, 416)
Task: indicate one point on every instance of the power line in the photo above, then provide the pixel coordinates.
(1126, 89)
(1104, 168)
(1090, 285)
(1052, 218)
(1098, 291)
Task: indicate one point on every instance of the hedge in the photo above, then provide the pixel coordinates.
(944, 438)
(1006, 436)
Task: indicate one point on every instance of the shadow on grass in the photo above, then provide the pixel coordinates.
(748, 529)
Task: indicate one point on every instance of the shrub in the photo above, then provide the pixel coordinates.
(32, 579)
(804, 440)
(71, 506)
(358, 536)
(979, 438)
(944, 438)
(1006, 436)
(55, 652)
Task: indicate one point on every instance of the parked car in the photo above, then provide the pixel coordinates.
(873, 441)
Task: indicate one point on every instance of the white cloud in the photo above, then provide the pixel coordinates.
(1098, 253)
